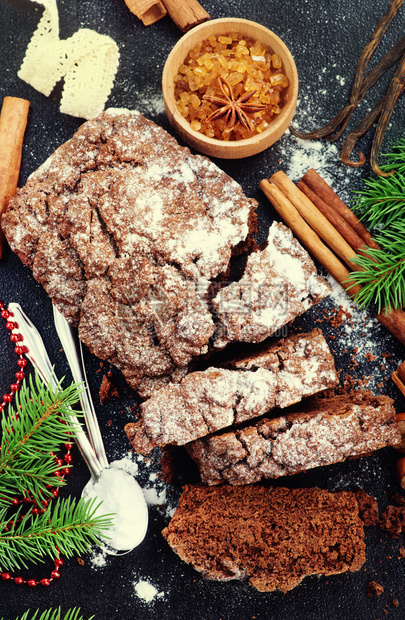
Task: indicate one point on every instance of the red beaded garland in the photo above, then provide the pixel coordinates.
(20, 350)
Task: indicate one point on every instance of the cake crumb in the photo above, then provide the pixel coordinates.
(374, 589)
(107, 390)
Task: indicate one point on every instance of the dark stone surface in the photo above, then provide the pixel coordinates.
(325, 38)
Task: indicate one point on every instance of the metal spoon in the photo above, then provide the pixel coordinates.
(115, 481)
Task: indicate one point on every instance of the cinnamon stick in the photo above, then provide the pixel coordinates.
(337, 221)
(393, 320)
(148, 11)
(308, 236)
(324, 191)
(13, 121)
(315, 218)
(186, 13)
(398, 377)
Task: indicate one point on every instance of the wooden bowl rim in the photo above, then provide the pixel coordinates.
(220, 148)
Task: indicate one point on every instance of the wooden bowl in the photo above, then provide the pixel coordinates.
(214, 146)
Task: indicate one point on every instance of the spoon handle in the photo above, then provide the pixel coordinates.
(38, 357)
(74, 353)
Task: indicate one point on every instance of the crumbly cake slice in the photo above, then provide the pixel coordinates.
(125, 229)
(279, 283)
(325, 431)
(274, 537)
(206, 401)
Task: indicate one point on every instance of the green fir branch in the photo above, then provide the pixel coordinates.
(30, 432)
(382, 201)
(53, 614)
(69, 524)
(382, 281)
(381, 204)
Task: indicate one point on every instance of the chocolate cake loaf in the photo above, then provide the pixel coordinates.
(323, 432)
(126, 231)
(272, 536)
(279, 375)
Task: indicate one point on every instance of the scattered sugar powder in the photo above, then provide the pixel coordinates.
(146, 591)
(98, 558)
(360, 342)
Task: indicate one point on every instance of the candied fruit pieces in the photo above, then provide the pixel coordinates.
(248, 67)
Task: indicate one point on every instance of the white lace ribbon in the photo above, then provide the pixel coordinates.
(88, 62)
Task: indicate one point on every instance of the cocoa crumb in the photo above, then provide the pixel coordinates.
(80, 561)
(374, 589)
(393, 519)
(107, 390)
(395, 602)
(368, 508)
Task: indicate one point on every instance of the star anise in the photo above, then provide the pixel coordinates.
(233, 109)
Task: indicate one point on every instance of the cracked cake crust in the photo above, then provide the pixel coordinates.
(127, 232)
(279, 375)
(323, 432)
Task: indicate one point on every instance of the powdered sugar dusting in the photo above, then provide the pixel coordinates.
(213, 399)
(279, 283)
(146, 591)
(358, 342)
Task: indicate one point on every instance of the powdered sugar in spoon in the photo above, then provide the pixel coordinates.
(116, 489)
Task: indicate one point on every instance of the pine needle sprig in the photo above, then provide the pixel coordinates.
(53, 614)
(70, 525)
(382, 281)
(382, 201)
(382, 205)
(30, 432)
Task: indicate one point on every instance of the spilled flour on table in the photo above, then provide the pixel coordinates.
(146, 591)
(298, 156)
(358, 342)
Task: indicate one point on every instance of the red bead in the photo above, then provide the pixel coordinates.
(35, 510)
(19, 375)
(18, 351)
(68, 458)
(68, 446)
(10, 325)
(55, 492)
(5, 314)
(7, 398)
(58, 561)
(1, 408)
(15, 337)
(45, 582)
(1, 304)
(5, 576)
(59, 462)
(66, 471)
(18, 580)
(27, 500)
(55, 574)
(32, 583)
(15, 501)
(14, 387)
(22, 363)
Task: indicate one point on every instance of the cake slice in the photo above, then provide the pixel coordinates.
(203, 402)
(279, 283)
(272, 536)
(325, 431)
